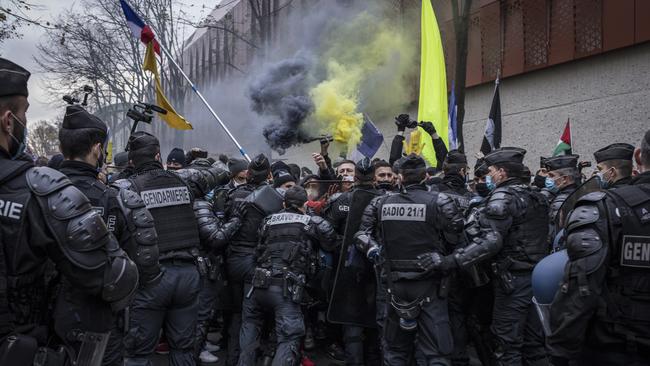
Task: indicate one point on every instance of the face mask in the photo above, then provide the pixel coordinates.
(312, 194)
(549, 183)
(19, 136)
(539, 181)
(482, 189)
(490, 183)
(602, 181)
(237, 184)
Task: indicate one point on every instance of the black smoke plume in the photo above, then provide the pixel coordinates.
(281, 93)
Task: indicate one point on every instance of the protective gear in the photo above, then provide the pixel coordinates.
(143, 248)
(287, 243)
(550, 184)
(213, 233)
(607, 236)
(80, 230)
(263, 201)
(121, 278)
(411, 224)
(489, 183)
(169, 200)
(546, 279)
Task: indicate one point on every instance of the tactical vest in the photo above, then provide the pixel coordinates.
(408, 225)
(263, 201)
(169, 201)
(526, 242)
(627, 295)
(25, 287)
(286, 245)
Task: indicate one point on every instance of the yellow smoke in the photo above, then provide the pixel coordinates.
(367, 64)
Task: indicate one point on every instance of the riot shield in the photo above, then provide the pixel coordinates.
(590, 185)
(354, 293)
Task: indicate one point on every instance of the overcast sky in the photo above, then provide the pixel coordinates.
(23, 50)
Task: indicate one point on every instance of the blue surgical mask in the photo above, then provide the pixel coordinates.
(602, 181)
(490, 183)
(549, 183)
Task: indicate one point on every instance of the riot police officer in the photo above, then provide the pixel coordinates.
(215, 233)
(454, 180)
(252, 202)
(288, 241)
(614, 165)
(83, 139)
(562, 179)
(173, 301)
(600, 314)
(45, 220)
(512, 238)
(410, 224)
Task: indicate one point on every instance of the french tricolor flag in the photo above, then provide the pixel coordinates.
(140, 30)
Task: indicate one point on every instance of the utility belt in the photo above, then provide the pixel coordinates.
(503, 273)
(242, 247)
(409, 311)
(292, 284)
(188, 256)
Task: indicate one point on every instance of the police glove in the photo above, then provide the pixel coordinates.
(428, 128)
(402, 121)
(430, 262)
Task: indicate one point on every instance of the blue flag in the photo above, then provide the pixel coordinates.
(371, 138)
(453, 122)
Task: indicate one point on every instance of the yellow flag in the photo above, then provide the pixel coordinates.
(433, 83)
(173, 119)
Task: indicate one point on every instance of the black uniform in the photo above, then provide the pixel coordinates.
(600, 316)
(45, 219)
(173, 302)
(284, 257)
(513, 238)
(215, 233)
(46, 224)
(410, 224)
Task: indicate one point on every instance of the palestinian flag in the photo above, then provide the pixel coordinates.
(563, 146)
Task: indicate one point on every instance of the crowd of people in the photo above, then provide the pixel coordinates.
(376, 261)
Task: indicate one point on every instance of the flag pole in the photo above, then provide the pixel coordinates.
(568, 121)
(205, 102)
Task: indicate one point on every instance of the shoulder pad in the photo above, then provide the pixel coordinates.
(498, 203)
(592, 197)
(582, 215)
(43, 180)
(447, 205)
(130, 199)
(85, 240)
(122, 184)
(68, 203)
(586, 247)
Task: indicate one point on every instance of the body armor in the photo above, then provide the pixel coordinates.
(627, 313)
(263, 201)
(169, 200)
(526, 242)
(284, 244)
(408, 225)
